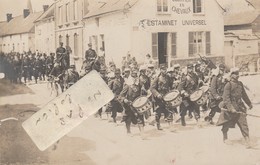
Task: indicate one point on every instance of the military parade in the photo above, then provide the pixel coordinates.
(145, 93)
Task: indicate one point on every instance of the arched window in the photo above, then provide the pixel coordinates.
(60, 39)
(67, 40)
(75, 44)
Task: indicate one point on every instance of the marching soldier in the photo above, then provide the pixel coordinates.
(60, 55)
(116, 85)
(160, 86)
(90, 54)
(233, 97)
(57, 74)
(215, 92)
(129, 93)
(71, 76)
(188, 85)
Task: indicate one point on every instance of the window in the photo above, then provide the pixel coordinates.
(75, 10)
(199, 43)
(67, 40)
(75, 44)
(155, 45)
(67, 12)
(60, 39)
(95, 43)
(197, 6)
(86, 5)
(60, 15)
(173, 44)
(162, 6)
(102, 41)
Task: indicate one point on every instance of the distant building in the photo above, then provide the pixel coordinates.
(242, 39)
(45, 31)
(18, 34)
(172, 31)
(69, 27)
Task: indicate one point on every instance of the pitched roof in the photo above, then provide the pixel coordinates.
(110, 6)
(240, 18)
(2, 26)
(20, 24)
(47, 14)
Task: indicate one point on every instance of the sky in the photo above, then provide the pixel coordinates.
(16, 6)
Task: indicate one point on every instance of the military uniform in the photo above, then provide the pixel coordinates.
(116, 85)
(71, 76)
(127, 96)
(160, 86)
(233, 97)
(188, 85)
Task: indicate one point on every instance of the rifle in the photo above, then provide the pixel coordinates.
(208, 62)
(223, 109)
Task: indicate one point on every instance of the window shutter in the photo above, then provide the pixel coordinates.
(191, 44)
(174, 45)
(208, 46)
(155, 45)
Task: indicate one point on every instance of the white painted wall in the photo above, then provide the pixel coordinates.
(45, 37)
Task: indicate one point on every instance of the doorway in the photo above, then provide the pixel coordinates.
(162, 48)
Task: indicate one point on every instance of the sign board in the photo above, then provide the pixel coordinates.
(68, 110)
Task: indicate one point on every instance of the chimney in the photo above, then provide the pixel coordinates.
(26, 12)
(45, 7)
(9, 17)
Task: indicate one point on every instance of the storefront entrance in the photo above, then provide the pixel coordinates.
(162, 48)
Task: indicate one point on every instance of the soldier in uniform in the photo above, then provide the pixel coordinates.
(188, 85)
(90, 54)
(160, 86)
(60, 54)
(126, 74)
(25, 67)
(57, 74)
(71, 76)
(129, 93)
(215, 92)
(233, 97)
(116, 85)
(37, 68)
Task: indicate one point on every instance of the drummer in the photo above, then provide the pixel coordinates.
(160, 86)
(130, 92)
(188, 85)
(116, 85)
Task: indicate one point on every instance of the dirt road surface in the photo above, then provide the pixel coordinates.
(97, 141)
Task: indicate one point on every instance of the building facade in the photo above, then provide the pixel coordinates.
(69, 27)
(172, 31)
(18, 33)
(45, 31)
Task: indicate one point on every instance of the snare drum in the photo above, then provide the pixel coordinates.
(205, 88)
(142, 104)
(173, 98)
(199, 97)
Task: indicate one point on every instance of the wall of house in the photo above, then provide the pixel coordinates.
(17, 43)
(132, 31)
(45, 37)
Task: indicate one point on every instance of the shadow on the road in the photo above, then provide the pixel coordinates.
(8, 89)
(241, 141)
(18, 148)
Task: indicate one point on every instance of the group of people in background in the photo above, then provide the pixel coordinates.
(150, 83)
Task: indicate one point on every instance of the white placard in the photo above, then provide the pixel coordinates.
(68, 110)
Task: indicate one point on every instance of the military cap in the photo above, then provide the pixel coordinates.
(163, 66)
(142, 67)
(111, 75)
(89, 44)
(190, 65)
(222, 66)
(171, 69)
(176, 66)
(117, 71)
(72, 66)
(150, 66)
(234, 70)
(127, 70)
(134, 71)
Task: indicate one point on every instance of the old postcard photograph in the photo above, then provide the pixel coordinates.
(133, 82)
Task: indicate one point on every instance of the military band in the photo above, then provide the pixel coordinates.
(145, 93)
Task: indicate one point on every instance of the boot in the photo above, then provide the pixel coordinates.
(183, 123)
(141, 128)
(159, 126)
(225, 139)
(248, 143)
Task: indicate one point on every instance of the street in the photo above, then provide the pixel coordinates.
(97, 141)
